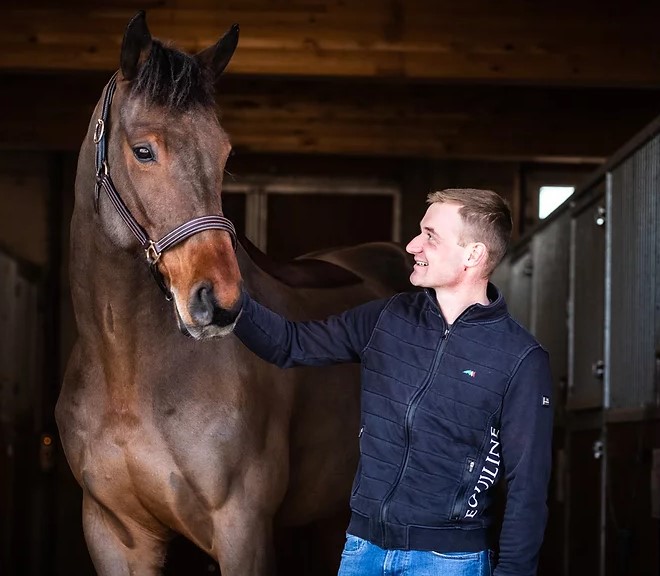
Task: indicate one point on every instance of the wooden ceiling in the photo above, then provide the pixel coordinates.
(508, 80)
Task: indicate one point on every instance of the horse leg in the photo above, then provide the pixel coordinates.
(117, 549)
(244, 542)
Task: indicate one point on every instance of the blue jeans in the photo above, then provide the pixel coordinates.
(361, 558)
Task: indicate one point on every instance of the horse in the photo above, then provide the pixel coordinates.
(168, 423)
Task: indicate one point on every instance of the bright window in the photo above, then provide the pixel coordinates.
(551, 197)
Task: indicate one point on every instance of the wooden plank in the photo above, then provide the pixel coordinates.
(389, 119)
(559, 43)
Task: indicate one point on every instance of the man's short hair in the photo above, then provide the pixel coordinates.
(486, 218)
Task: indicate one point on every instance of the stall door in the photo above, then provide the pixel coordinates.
(585, 392)
(287, 218)
(587, 305)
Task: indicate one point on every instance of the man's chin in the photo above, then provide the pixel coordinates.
(415, 280)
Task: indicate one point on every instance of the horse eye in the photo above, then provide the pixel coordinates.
(143, 154)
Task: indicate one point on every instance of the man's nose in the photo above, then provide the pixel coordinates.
(413, 246)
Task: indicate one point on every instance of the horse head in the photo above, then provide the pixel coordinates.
(160, 158)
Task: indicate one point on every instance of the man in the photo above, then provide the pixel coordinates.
(456, 395)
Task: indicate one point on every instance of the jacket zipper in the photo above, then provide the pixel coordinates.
(359, 470)
(410, 413)
(457, 509)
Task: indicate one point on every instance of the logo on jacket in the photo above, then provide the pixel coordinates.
(488, 476)
(545, 401)
(470, 373)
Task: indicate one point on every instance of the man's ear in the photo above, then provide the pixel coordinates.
(476, 254)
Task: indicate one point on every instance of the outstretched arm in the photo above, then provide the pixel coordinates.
(526, 435)
(277, 340)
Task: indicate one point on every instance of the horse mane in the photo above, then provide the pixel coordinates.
(173, 79)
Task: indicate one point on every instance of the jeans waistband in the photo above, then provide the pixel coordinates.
(410, 537)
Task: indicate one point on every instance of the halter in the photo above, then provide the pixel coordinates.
(153, 249)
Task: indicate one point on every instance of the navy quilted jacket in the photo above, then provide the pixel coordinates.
(447, 411)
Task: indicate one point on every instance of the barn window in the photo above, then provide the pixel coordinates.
(551, 197)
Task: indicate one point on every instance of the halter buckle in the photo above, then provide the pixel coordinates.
(152, 254)
(102, 173)
(99, 130)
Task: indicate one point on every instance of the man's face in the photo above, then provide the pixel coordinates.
(439, 259)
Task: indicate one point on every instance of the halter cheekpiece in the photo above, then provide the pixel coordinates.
(153, 249)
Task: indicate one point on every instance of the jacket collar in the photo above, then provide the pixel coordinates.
(476, 313)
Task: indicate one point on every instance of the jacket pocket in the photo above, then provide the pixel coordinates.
(460, 502)
(358, 473)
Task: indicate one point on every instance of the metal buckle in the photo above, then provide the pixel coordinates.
(102, 173)
(152, 254)
(99, 130)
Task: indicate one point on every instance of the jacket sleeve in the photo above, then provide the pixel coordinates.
(285, 343)
(526, 436)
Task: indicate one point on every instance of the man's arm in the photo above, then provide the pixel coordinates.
(526, 435)
(277, 340)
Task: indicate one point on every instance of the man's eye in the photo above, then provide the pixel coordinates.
(143, 154)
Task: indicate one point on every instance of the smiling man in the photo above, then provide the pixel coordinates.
(456, 398)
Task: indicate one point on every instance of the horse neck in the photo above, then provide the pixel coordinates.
(117, 319)
(110, 286)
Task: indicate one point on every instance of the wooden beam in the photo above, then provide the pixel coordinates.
(511, 41)
(367, 119)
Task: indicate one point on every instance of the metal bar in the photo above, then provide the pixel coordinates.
(607, 322)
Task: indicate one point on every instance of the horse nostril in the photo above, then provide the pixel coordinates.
(225, 317)
(202, 304)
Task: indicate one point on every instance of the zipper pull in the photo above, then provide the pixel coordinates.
(445, 334)
(360, 433)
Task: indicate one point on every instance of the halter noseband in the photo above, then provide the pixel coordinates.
(153, 249)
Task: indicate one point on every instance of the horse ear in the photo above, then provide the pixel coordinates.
(216, 57)
(136, 46)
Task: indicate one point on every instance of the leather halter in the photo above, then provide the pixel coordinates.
(153, 249)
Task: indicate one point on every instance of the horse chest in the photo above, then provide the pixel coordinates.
(116, 461)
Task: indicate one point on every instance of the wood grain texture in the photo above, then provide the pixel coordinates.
(513, 41)
(51, 111)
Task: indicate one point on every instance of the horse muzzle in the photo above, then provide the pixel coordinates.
(204, 317)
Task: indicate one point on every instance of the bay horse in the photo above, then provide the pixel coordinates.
(169, 424)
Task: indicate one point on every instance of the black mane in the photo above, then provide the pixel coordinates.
(173, 79)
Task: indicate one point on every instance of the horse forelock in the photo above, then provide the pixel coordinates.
(174, 80)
